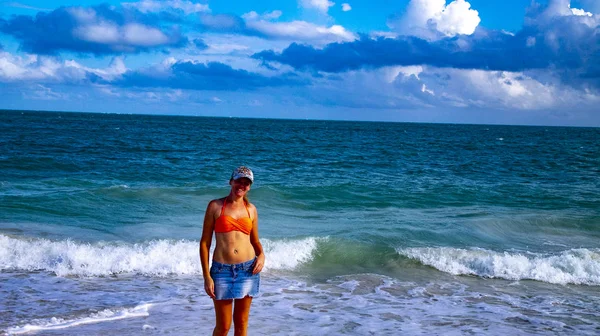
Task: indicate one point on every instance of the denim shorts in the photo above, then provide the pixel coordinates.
(234, 281)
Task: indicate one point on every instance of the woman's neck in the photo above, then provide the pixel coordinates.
(235, 199)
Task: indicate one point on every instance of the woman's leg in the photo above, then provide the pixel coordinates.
(223, 317)
(241, 311)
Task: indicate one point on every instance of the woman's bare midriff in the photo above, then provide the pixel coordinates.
(233, 248)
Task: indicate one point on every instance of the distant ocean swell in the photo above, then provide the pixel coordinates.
(180, 257)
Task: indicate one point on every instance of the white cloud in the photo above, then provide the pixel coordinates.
(267, 16)
(320, 5)
(391, 73)
(144, 95)
(446, 87)
(561, 8)
(20, 5)
(429, 18)
(15, 67)
(346, 7)
(458, 18)
(91, 28)
(301, 31)
(133, 34)
(272, 15)
(425, 90)
(83, 15)
(186, 6)
(498, 89)
(140, 35)
(31, 68)
(102, 32)
(225, 48)
(547, 17)
(580, 12)
(48, 69)
(385, 34)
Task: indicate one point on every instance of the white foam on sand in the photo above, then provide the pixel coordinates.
(371, 304)
(103, 316)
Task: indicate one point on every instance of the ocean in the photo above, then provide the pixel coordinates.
(369, 228)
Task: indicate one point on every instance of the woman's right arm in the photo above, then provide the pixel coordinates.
(205, 241)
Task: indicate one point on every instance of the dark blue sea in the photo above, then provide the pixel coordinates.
(369, 228)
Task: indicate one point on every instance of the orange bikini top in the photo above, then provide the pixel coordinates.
(227, 223)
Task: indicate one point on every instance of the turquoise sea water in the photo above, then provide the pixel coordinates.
(369, 228)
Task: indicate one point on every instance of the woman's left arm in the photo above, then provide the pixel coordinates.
(258, 250)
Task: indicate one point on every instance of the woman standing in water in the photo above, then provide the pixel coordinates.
(233, 278)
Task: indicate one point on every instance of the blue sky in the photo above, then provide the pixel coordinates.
(477, 61)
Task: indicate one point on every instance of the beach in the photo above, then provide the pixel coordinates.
(368, 227)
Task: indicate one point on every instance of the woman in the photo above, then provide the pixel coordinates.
(233, 278)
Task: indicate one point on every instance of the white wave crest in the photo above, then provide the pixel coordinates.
(153, 258)
(575, 266)
(102, 316)
(289, 253)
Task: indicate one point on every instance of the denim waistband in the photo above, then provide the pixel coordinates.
(247, 265)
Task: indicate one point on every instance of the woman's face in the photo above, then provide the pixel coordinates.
(240, 186)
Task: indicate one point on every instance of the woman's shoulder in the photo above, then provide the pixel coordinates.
(216, 203)
(250, 206)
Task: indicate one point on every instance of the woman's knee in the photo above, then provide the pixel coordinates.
(221, 330)
(222, 324)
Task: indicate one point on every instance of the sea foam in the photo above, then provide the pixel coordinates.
(575, 266)
(153, 258)
(102, 316)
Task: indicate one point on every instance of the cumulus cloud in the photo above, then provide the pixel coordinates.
(553, 38)
(346, 7)
(558, 10)
(320, 5)
(433, 18)
(480, 88)
(96, 30)
(188, 7)
(427, 88)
